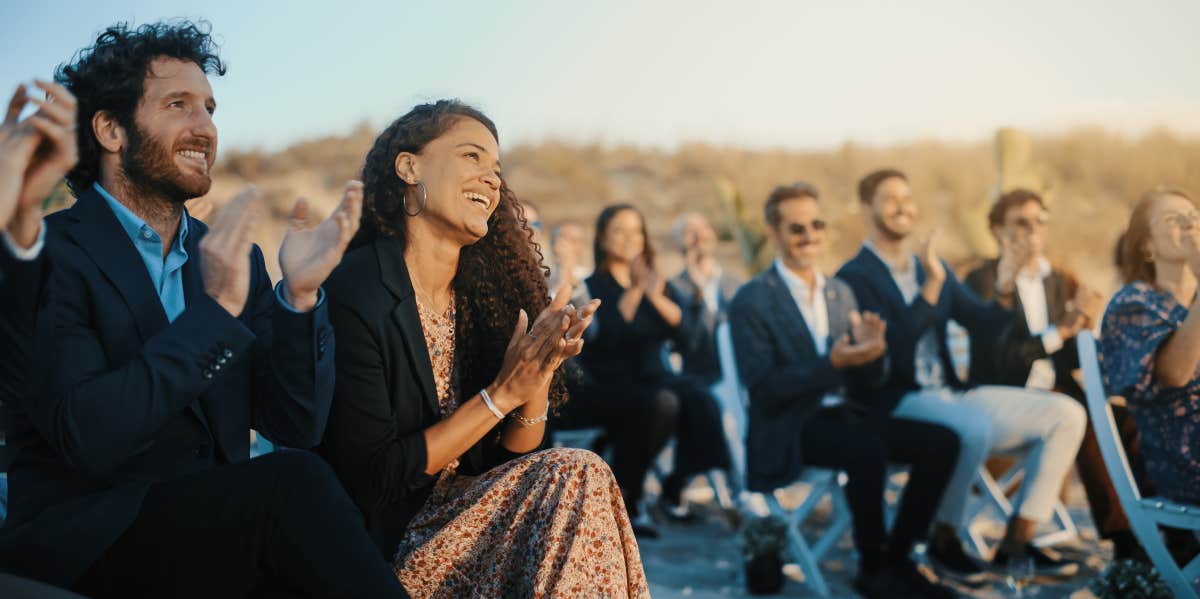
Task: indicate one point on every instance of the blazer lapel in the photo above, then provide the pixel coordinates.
(793, 319)
(101, 237)
(395, 276)
(839, 323)
(887, 283)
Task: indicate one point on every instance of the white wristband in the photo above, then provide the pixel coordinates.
(487, 401)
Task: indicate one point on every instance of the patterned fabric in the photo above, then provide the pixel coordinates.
(548, 524)
(1138, 320)
(439, 340)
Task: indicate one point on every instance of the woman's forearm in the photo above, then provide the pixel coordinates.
(521, 438)
(666, 308)
(1176, 362)
(450, 438)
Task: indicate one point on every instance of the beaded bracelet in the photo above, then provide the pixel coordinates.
(531, 421)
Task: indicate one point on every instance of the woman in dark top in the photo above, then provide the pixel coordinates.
(626, 386)
(443, 390)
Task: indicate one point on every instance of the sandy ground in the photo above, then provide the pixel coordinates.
(702, 560)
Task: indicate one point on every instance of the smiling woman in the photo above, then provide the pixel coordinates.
(443, 389)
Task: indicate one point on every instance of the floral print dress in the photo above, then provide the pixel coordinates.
(548, 524)
(1136, 323)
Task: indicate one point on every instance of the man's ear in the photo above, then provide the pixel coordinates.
(109, 133)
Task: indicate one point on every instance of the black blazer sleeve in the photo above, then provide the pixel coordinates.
(697, 325)
(97, 414)
(981, 319)
(377, 460)
(22, 290)
(293, 370)
(774, 387)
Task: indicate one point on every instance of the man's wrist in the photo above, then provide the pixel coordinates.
(24, 228)
(300, 301)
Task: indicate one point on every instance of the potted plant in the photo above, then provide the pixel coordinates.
(764, 540)
(1130, 579)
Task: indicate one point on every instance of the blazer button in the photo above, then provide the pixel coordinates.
(216, 367)
(207, 373)
(228, 353)
(222, 360)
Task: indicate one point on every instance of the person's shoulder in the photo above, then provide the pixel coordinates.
(839, 287)
(357, 281)
(980, 272)
(754, 289)
(1137, 292)
(854, 265)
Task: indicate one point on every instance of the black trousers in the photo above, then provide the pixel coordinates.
(699, 439)
(639, 418)
(279, 526)
(863, 448)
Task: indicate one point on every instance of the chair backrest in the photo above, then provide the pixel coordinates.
(1100, 412)
(732, 397)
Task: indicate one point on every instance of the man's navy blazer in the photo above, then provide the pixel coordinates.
(877, 292)
(126, 398)
(784, 374)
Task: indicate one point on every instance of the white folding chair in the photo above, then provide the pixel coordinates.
(993, 498)
(820, 483)
(1145, 514)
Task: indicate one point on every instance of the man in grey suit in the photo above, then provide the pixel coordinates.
(703, 291)
(800, 343)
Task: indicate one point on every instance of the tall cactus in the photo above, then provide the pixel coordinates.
(1014, 169)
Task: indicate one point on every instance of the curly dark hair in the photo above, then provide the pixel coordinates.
(497, 276)
(111, 74)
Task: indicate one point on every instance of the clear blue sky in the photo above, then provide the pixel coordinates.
(793, 74)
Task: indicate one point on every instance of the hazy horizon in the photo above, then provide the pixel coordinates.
(661, 75)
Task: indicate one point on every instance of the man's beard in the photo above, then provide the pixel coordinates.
(150, 168)
(887, 231)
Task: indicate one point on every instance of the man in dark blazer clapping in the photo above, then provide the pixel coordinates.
(800, 342)
(167, 345)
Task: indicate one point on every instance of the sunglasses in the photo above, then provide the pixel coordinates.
(801, 228)
(1031, 224)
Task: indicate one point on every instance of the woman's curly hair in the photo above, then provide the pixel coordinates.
(497, 276)
(111, 74)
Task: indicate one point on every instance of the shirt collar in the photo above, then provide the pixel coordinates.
(1041, 270)
(867, 244)
(133, 224)
(796, 284)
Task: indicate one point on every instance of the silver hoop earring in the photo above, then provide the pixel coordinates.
(424, 199)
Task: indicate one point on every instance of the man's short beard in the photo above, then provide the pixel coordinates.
(888, 232)
(150, 168)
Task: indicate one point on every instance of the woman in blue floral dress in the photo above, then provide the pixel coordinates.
(1150, 340)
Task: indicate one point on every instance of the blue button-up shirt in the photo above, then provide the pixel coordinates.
(166, 273)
